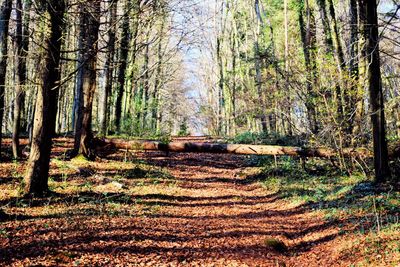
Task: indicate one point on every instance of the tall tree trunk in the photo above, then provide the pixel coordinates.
(307, 30)
(220, 69)
(78, 92)
(377, 109)
(146, 81)
(158, 79)
(337, 38)
(123, 59)
(258, 68)
(339, 55)
(22, 18)
(221, 87)
(5, 13)
(326, 26)
(331, 49)
(109, 67)
(89, 27)
(233, 90)
(287, 67)
(36, 178)
(350, 99)
(362, 71)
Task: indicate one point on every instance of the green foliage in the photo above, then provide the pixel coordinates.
(183, 129)
(130, 126)
(162, 137)
(267, 139)
(246, 138)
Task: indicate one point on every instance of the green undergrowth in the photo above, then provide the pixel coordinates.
(368, 212)
(267, 139)
(161, 137)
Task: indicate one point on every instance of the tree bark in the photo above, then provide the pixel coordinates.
(326, 26)
(221, 87)
(158, 78)
(5, 13)
(377, 108)
(257, 65)
(36, 178)
(307, 30)
(350, 98)
(145, 82)
(339, 55)
(22, 18)
(109, 67)
(123, 59)
(287, 66)
(89, 27)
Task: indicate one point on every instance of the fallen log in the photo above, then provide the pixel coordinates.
(271, 150)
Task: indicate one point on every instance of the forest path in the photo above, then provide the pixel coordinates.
(208, 211)
(220, 215)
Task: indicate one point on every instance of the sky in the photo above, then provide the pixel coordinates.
(194, 17)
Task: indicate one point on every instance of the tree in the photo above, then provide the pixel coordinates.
(22, 44)
(308, 38)
(106, 90)
(86, 80)
(123, 61)
(158, 79)
(5, 12)
(377, 108)
(351, 98)
(36, 178)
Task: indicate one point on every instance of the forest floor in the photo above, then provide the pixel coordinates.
(147, 209)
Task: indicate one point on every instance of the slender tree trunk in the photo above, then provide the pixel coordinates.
(158, 78)
(22, 18)
(109, 67)
(133, 73)
(339, 55)
(287, 67)
(377, 109)
(331, 49)
(307, 30)
(221, 87)
(221, 69)
(350, 98)
(77, 115)
(258, 68)
(5, 13)
(362, 71)
(36, 178)
(326, 26)
(233, 91)
(146, 81)
(156, 100)
(337, 38)
(123, 59)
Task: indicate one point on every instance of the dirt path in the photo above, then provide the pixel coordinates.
(213, 215)
(220, 217)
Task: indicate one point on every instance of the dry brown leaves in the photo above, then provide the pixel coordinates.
(205, 216)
